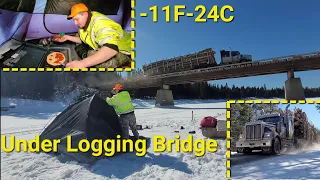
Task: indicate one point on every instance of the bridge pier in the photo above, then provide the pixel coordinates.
(293, 88)
(164, 96)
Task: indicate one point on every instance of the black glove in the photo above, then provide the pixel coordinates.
(113, 92)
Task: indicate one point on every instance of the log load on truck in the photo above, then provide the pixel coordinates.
(202, 59)
(272, 133)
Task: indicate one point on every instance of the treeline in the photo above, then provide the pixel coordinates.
(50, 85)
(204, 90)
(26, 85)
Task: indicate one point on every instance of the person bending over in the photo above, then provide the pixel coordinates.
(110, 45)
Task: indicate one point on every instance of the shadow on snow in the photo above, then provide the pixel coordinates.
(122, 165)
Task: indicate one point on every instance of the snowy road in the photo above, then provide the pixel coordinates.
(29, 118)
(237, 159)
(297, 165)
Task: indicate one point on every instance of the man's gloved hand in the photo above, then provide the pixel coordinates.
(113, 92)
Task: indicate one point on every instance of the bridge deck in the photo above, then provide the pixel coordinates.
(302, 62)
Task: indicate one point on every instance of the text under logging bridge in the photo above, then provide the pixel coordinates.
(285, 64)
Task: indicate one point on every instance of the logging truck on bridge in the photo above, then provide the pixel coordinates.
(271, 133)
(202, 59)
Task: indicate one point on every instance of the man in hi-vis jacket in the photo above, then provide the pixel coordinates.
(122, 103)
(108, 44)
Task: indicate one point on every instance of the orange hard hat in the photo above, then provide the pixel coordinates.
(117, 87)
(76, 9)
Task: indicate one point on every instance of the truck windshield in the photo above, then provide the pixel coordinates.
(273, 120)
(235, 53)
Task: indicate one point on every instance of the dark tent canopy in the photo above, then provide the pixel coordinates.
(110, 7)
(90, 118)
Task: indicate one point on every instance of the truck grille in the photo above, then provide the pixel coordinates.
(253, 132)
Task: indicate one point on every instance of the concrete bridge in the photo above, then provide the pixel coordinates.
(285, 64)
(43, 83)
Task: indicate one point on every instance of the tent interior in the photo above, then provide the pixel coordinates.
(24, 23)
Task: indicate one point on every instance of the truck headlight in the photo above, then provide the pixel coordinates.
(268, 134)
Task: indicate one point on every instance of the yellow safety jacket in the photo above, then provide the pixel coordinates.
(102, 30)
(121, 102)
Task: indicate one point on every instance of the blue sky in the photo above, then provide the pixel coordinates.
(263, 29)
(310, 109)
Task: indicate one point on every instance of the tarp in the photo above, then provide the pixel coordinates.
(30, 19)
(90, 118)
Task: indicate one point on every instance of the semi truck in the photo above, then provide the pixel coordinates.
(274, 132)
(201, 59)
(231, 57)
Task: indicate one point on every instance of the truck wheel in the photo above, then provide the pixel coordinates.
(276, 146)
(240, 150)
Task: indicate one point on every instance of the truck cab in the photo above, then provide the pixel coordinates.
(268, 133)
(231, 57)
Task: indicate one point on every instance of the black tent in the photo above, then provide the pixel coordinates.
(90, 118)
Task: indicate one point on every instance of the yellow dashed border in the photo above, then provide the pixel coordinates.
(133, 55)
(228, 135)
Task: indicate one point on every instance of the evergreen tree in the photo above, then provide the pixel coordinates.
(240, 114)
(204, 90)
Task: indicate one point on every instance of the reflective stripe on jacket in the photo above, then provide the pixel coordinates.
(121, 102)
(103, 30)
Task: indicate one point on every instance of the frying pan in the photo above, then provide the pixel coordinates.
(63, 50)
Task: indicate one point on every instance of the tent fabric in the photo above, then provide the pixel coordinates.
(90, 118)
(50, 17)
(13, 25)
(18, 5)
(110, 7)
(46, 25)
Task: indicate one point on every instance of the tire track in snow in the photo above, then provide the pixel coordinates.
(240, 159)
(22, 127)
(24, 131)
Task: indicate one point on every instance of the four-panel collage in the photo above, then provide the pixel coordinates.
(165, 90)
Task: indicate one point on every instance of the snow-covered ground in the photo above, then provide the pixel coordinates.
(304, 164)
(29, 117)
